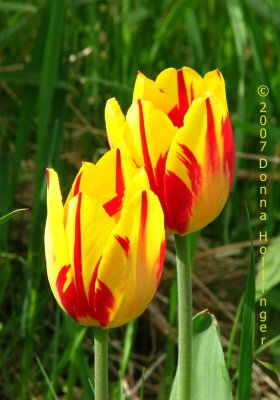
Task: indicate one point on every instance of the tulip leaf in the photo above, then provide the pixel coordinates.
(210, 379)
(208, 361)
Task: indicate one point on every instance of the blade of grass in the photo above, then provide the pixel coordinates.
(239, 32)
(269, 343)
(8, 32)
(196, 43)
(142, 384)
(177, 10)
(13, 6)
(246, 352)
(271, 367)
(233, 333)
(130, 332)
(6, 217)
(47, 379)
(54, 352)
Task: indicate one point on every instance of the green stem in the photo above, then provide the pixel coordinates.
(184, 318)
(101, 363)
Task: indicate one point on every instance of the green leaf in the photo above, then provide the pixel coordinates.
(208, 361)
(248, 329)
(6, 217)
(210, 379)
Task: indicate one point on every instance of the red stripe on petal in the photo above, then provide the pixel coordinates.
(124, 242)
(176, 117)
(218, 73)
(91, 293)
(146, 156)
(113, 206)
(81, 298)
(182, 93)
(179, 198)
(229, 154)
(101, 300)
(212, 151)
(143, 219)
(68, 296)
(119, 175)
(192, 93)
(179, 201)
(77, 184)
(192, 166)
(160, 178)
(48, 177)
(161, 258)
(104, 302)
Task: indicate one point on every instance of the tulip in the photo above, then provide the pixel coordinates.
(178, 128)
(105, 247)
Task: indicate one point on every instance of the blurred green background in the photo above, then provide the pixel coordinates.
(60, 60)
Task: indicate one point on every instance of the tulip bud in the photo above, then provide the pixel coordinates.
(105, 247)
(178, 128)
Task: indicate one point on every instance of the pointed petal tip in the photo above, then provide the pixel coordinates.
(48, 176)
(219, 73)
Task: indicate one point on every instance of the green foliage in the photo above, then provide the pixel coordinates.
(210, 377)
(271, 277)
(246, 354)
(6, 217)
(208, 360)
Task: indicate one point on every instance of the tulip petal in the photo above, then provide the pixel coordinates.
(195, 162)
(213, 82)
(132, 261)
(181, 86)
(144, 124)
(88, 227)
(146, 89)
(115, 122)
(56, 247)
(139, 182)
(106, 181)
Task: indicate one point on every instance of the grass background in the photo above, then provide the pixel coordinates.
(59, 63)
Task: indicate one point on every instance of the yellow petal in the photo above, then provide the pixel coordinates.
(148, 135)
(85, 175)
(213, 82)
(139, 182)
(132, 262)
(146, 89)
(56, 247)
(106, 181)
(115, 122)
(199, 167)
(88, 227)
(182, 86)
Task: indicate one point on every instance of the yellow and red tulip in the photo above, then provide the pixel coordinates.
(105, 247)
(178, 128)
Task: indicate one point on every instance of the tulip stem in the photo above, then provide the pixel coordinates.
(184, 367)
(101, 363)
